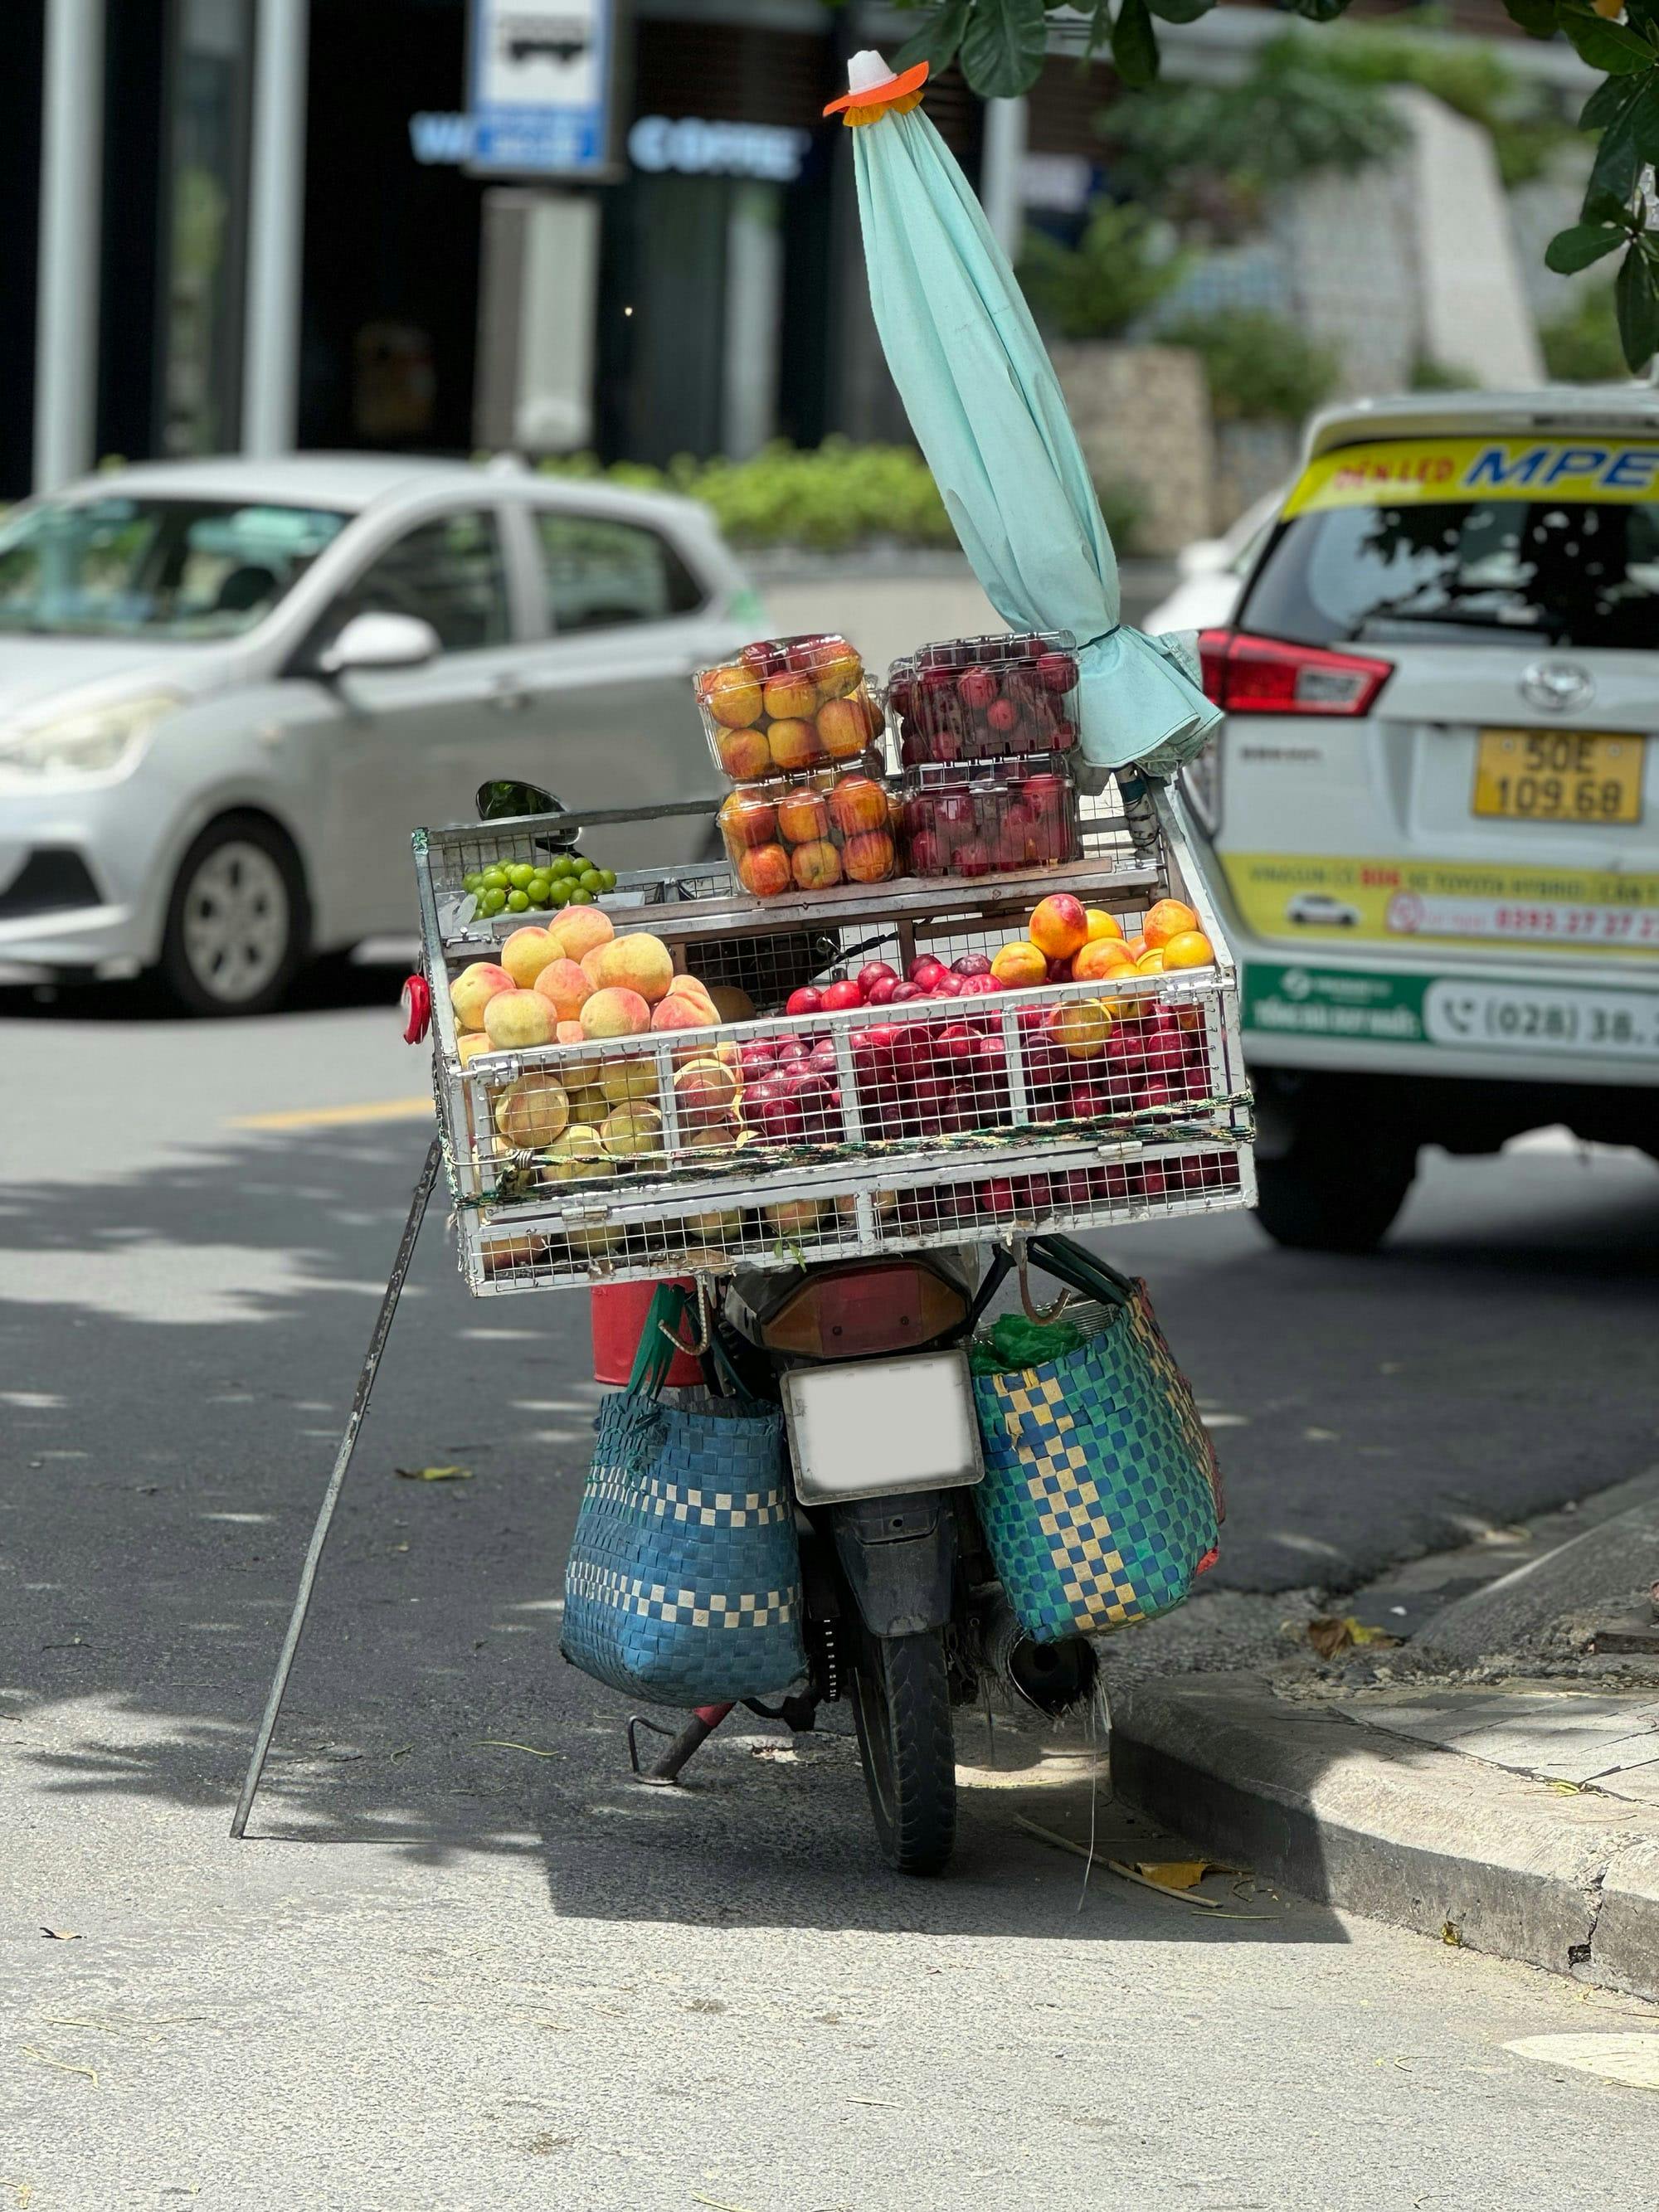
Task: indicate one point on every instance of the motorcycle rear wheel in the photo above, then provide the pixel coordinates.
(901, 1710)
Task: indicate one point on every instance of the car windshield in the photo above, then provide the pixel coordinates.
(1549, 571)
(178, 569)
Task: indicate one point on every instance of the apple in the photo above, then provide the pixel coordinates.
(956, 1042)
(806, 1000)
(733, 695)
(972, 858)
(816, 865)
(883, 991)
(875, 971)
(1002, 715)
(978, 986)
(802, 816)
(791, 697)
(953, 814)
(1064, 737)
(757, 1059)
(927, 855)
(972, 964)
(926, 970)
(1091, 1102)
(949, 986)
(794, 745)
(839, 996)
(977, 688)
(1056, 671)
(997, 1196)
(765, 872)
(746, 821)
(791, 1048)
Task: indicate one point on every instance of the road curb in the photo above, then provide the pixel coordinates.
(1428, 1839)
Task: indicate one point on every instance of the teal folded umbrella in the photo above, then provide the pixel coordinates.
(986, 407)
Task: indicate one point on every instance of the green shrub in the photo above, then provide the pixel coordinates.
(1121, 266)
(1429, 374)
(1260, 368)
(1582, 346)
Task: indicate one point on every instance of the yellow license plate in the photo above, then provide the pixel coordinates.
(1558, 775)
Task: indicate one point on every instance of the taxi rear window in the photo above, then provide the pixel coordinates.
(1535, 543)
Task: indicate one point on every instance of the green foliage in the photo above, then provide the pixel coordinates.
(1582, 346)
(1119, 268)
(1259, 366)
(1428, 374)
(1624, 108)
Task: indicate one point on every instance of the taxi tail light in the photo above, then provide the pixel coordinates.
(1246, 675)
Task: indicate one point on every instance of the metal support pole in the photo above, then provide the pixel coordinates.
(1001, 188)
(335, 1482)
(270, 352)
(72, 178)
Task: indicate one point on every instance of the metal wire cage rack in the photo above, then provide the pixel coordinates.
(776, 1139)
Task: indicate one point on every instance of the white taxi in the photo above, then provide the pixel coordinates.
(1433, 805)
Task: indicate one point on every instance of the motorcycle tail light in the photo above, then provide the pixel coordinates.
(1246, 675)
(848, 1313)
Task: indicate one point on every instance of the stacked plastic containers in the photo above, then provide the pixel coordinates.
(791, 722)
(986, 728)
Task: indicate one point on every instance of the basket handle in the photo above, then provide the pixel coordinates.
(1068, 1263)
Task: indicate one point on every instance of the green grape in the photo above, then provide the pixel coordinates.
(607, 879)
(581, 897)
(472, 882)
(520, 874)
(541, 895)
(494, 879)
(493, 900)
(539, 881)
(560, 894)
(564, 865)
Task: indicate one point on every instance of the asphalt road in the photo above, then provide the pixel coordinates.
(463, 1965)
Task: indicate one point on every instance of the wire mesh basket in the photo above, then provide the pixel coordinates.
(775, 1137)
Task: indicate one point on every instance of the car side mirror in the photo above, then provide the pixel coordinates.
(502, 800)
(380, 641)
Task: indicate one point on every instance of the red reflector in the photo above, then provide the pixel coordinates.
(1247, 675)
(870, 1312)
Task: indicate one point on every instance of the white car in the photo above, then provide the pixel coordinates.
(1211, 571)
(230, 689)
(1441, 750)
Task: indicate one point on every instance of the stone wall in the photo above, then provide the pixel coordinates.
(1142, 415)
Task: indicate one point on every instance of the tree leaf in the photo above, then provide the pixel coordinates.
(1605, 102)
(1134, 43)
(1320, 11)
(1181, 11)
(1635, 300)
(1535, 17)
(1613, 47)
(1618, 159)
(936, 41)
(1002, 48)
(1570, 251)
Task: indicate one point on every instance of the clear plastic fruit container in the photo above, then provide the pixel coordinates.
(985, 698)
(973, 819)
(784, 704)
(809, 833)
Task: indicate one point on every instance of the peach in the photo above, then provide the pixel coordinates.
(794, 1217)
(730, 1004)
(581, 930)
(835, 668)
(723, 1134)
(693, 988)
(625, 1081)
(791, 697)
(858, 802)
(745, 754)
(1151, 963)
(526, 953)
(565, 986)
(589, 964)
(733, 695)
(722, 1223)
(1081, 1027)
(577, 1156)
(640, 962)
(794, 745)
(532, 1111)
(844, 727)
(870, 857)
(1019, 966)
(802, 816)
(1101, 956)
(1168, 918)
(1102, 924)
(633, 1132)
(473, 989)
(1060, 926)
(569, 1033)
(1188, 948)
(595, 1240)
(588, 1102)
(613, 1013)
(680, 1011)
(765, 872)
(470, 1044)
(514, 1019)
(706, 1090)
(815, 865)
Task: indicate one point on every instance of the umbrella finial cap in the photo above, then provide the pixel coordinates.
(867, 69)
(873, 89)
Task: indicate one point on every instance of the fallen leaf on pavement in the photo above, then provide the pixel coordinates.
(1452, 1933)
(1179, 1873)
(1330, 1633)
(434, 1474)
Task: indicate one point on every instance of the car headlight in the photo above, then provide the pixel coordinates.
(90, 742)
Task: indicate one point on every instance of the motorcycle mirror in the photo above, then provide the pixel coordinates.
(499, 801)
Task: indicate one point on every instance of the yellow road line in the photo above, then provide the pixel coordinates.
(328, 1117)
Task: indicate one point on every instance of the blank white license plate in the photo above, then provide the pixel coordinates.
(876, 1428)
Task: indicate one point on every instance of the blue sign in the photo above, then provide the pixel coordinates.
(539, 88)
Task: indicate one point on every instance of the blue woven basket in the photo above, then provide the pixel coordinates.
(1101, 1503)
(682, 1585)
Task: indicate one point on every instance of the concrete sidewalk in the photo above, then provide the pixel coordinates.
(1494, 1783)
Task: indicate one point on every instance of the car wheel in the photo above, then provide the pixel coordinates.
(237, 922)
(1320, 1198)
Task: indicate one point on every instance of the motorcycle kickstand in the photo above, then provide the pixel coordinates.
(704, 1720)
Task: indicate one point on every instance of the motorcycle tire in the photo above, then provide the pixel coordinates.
(901, 1710)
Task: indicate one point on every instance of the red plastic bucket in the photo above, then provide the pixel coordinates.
(618, 1312)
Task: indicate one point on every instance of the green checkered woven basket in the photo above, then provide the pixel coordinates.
(1102, 1501)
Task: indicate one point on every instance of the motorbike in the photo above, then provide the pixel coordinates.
(904, 1617)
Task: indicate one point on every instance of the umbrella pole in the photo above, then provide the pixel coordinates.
(336, 1483)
